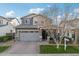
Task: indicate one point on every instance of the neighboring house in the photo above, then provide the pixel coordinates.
(31, 27)
(6, 26)
(3, 21)
(6, 29)
(14, 21)
(71, 27)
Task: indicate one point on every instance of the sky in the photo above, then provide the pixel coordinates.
(22, 9)
(19, 9)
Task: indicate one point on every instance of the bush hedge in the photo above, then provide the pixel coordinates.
(5, 38)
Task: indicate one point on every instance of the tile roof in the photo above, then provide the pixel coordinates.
(26, 26)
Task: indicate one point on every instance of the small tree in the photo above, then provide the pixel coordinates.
(53, 12)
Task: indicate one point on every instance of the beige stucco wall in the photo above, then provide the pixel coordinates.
(42, 22)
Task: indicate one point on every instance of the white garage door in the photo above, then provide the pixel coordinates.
(28, 36)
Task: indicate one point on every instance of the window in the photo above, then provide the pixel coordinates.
(42, 22)
(26, 21)
(36, 22)
(31, 21)
(67, 34)
(0, 22)
(7, 23)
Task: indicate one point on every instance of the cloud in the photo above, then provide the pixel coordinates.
(59, 16)
(76, 10)
(48, 5)
(70, 14)
(36, 10)
(10, 13)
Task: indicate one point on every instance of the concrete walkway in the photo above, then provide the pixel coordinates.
(24, 48)
(8, 43)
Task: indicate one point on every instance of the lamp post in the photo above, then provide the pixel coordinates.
(65, 43)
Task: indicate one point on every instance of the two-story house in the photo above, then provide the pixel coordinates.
(6, 25)
(71, 27)
(3, 21)
(32, 26)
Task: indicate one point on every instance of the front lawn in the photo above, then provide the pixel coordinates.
(51, 49)
(3, 48)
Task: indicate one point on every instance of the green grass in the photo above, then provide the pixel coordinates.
(3, 48)
(51, 49)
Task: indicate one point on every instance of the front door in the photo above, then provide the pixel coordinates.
(44, 35)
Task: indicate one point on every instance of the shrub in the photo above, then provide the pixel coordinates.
(5, 38)
(1, 38)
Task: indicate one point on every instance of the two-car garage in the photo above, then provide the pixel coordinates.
(27, 33)
(29, 36)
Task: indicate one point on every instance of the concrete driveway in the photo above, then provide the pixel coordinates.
(24, 48)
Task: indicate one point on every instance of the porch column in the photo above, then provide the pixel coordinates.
(17, 37)
(75, 42)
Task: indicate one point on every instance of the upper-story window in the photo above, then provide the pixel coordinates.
(26, 21)
(31, 21)
(1, 22)
(42, 22)
(36, 22)
(7, 23)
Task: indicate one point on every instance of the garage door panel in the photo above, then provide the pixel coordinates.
(29, 36)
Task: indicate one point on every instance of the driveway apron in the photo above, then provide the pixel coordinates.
(24, 48)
